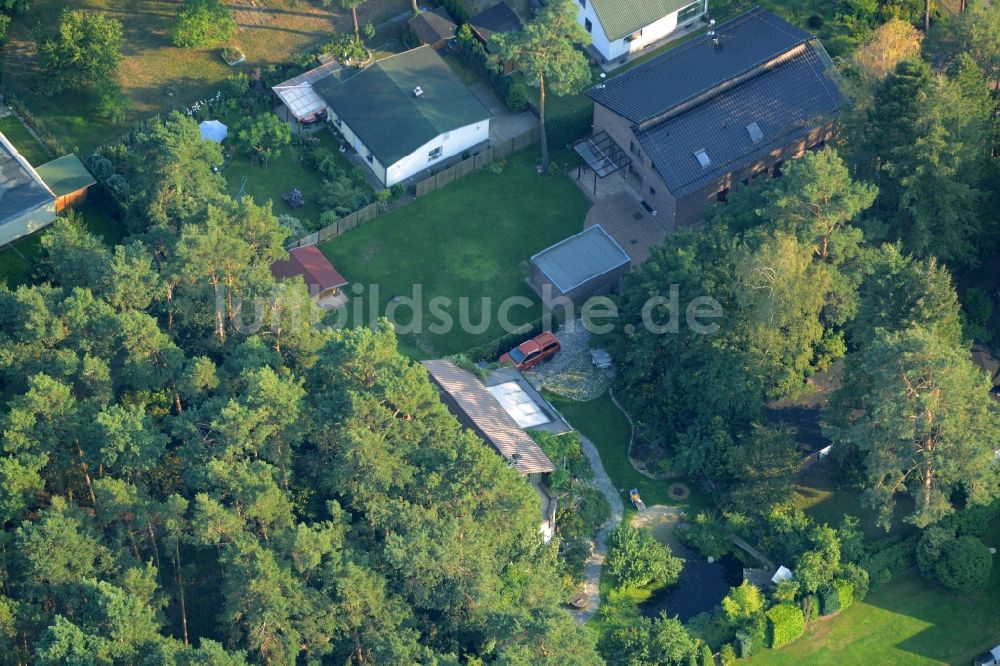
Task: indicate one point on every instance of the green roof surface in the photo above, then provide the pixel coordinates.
(620, 18)
(379, 105)
(65, 175)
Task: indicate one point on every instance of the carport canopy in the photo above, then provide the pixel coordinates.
(602, 154)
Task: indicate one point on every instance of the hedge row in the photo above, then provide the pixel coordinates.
(836, 596)
(785, 623)
(887, 563)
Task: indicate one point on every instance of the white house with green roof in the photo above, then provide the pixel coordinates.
(620, 27)
(405, 113)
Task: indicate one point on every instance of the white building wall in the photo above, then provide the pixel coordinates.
(28, 222)
(598, 38)
(451, 143)
(624, 46)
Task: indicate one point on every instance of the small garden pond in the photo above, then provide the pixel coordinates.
(701, 587)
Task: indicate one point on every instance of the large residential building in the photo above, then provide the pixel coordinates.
(405, 113)
(722, 109)
(619, 28)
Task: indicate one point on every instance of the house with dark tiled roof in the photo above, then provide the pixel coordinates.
(619, 28)
(405, 113)
(717, 111)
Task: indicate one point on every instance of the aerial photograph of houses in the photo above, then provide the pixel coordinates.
(499, 332)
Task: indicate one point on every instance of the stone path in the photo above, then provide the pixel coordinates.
(592, 581)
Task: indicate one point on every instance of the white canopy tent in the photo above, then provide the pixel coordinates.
(213, 130)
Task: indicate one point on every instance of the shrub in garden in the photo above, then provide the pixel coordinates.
(202, 23)
(836, 596)
(812, 607)
(858, 578)
(785, 623)
(637, 559)
(744, 644)
(707, 658)
(517, 96)
(965, 565)
(706, 535)
(742, 603)
(727, 656)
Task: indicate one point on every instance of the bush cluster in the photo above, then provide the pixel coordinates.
(785, 623)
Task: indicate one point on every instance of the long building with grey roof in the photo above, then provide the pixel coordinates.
(26, 202)
(477, 408)
(717, 111)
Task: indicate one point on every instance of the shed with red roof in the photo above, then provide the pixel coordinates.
(319, 274)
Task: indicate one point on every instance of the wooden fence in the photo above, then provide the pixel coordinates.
(427, 185)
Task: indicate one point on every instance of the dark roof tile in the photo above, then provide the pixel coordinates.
(698, 65)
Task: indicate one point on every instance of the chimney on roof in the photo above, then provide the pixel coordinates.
(418, 91)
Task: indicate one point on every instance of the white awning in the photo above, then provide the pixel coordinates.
(300, 99)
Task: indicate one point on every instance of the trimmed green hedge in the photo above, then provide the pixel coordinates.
(886, 564)
(836, 596)
(785, 623)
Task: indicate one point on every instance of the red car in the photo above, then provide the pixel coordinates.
(529, 354)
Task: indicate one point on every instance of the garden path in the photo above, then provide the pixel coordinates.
(592, 569)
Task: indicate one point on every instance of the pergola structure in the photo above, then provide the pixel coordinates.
(601, 155)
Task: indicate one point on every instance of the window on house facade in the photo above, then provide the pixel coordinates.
(690, 11)
(652, 192)
(434, 154)
(722, 195)
(583, 3)
(587, 24)
(776, 171)
(634, 149)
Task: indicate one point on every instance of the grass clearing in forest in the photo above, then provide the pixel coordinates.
(469, 240)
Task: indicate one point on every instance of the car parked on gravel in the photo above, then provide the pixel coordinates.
(530, 353)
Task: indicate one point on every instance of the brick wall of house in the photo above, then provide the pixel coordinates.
(687, 210)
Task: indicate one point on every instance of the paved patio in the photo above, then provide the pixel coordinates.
(504, 125)
(618, 209)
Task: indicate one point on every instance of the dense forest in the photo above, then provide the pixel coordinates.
(194, 470)
(177, 492)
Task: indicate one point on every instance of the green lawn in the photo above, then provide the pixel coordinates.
(18, 258)
(271, 182)
(818, 494)
(469, 240)
(158, 76)
(906, 621)
(606, 426)
(26, 144)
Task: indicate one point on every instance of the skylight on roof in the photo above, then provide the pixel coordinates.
(703, 158)
(753, 129)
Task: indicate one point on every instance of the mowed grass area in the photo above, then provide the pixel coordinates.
(469, 240)
(608, 428)
(906, 621)
(157, 76)
(26, 144)
(280, 176)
